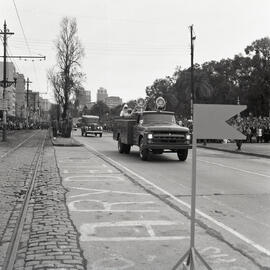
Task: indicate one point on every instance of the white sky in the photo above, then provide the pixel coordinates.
(130, 43)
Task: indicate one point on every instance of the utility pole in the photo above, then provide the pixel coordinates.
(5, 82)
(27, 101)
(192, 92)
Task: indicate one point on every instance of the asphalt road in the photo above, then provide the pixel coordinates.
(233, 191)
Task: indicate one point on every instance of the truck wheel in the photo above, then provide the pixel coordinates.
(100, 135)
(144, 153)
(182, 154)
(127, 148)
(121, 147)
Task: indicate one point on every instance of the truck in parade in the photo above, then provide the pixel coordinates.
(154, 132)
(90, 125)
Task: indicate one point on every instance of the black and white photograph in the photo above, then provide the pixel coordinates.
(134, 135)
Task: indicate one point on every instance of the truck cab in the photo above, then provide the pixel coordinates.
(154, 132)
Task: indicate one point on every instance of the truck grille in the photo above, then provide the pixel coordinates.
(169, 137)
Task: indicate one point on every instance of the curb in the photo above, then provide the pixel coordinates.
(235, 151)
(74, 142)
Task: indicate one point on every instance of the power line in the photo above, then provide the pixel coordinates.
(27, 44)
(9, 53)
(19, 19)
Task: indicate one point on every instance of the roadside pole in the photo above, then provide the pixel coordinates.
(4, 82)
(27, 102)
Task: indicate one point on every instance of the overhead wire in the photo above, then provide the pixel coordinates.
(26, 41)
(9, 54)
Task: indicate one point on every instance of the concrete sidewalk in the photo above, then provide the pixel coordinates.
(253, 149)
(60, 141)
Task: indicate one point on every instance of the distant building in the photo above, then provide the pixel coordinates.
(113, 101)
(44, 108)
(20, 108)
(101, 94)
(10, 93)
(84, 98)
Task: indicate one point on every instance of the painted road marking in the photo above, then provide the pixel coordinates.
(103, 191)
(218, 223)
(88, 230)
(116, 262)
(97, 166)
(214, 254)
(233, 168)
(107, 207)
(94, 178)
(236, 211)
(88, 171)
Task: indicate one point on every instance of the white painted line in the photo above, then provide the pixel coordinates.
(237, 211)
(90, 166)
(109, 263)
(88, 230)
(121, 239)
(87, 171)
(103, 191)
(233, 168)
(107, 207)
(93, 178)
(220, 224)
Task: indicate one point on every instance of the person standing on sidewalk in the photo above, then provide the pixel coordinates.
(259, 134)
(54, 128)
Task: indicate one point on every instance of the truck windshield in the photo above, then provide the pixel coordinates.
(90, 120)
(158, 118)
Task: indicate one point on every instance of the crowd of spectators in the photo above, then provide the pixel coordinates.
(256, 129)
(22, 124)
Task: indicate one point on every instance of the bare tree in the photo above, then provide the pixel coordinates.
(65, 77)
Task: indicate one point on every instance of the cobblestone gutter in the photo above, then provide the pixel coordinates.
(49, 239)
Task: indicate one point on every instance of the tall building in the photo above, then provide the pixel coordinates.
(101, 94)
(44, 108)
(20, 108)
(84, 98)
(10, 93)
(113, 101)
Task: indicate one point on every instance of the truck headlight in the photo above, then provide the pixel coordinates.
(188, 137)
(150, 136)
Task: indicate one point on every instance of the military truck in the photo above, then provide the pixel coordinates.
(154, 132)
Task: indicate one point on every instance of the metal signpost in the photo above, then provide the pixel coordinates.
(209, 123)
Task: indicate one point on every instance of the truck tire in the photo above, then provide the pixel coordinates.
(121, 147)
(100, 135)
(127, 148)
(144, 153)
(182, 154)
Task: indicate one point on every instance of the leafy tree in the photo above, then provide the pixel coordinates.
(182, 89)
(100, 109)
(161, 88)
(259, 86)
(66, 77)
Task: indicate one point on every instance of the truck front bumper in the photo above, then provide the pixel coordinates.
(93, 132)
(167, 146)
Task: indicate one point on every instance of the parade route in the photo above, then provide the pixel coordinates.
(122, 226)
